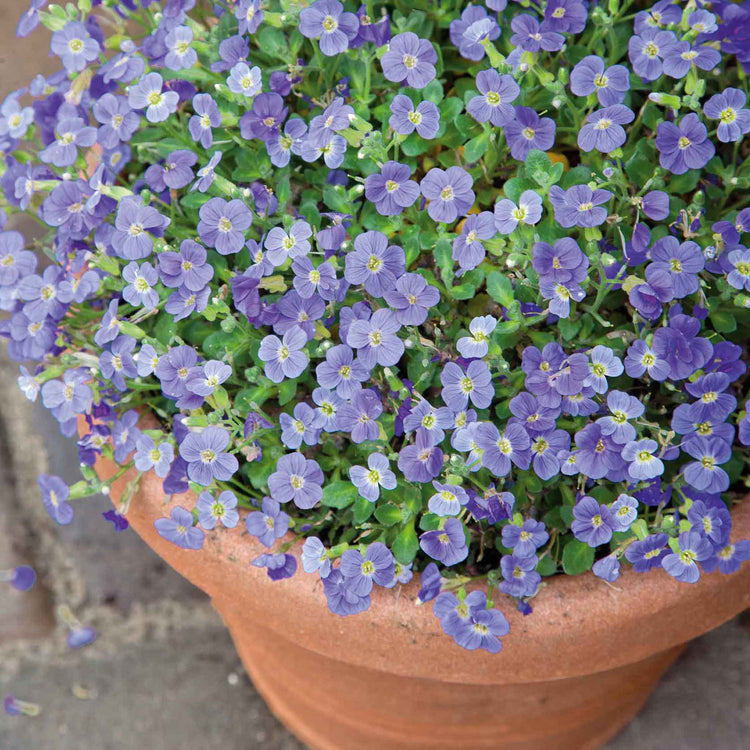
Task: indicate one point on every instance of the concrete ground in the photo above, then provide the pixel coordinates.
(163, 673)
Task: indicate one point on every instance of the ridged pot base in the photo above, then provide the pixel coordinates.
(331, 705)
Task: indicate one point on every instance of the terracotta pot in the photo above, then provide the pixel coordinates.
(569, 676)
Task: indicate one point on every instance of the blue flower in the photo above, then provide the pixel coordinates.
(683, 565)
(179, 529)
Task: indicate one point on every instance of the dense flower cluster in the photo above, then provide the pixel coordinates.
(416, 285)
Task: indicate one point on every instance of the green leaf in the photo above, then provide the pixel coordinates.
(362, 509)
(406, 545)
(577, 557)
(389, 514)
(500, 288)
(723, 321)
(476, 148)
(444, 257)
(287, 391)
(339, 494)
(546, 567)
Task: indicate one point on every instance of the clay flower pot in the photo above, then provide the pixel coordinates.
(569, 676)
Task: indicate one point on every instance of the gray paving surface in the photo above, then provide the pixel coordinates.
(163, 674)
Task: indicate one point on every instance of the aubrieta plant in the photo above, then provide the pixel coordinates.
(434, 286)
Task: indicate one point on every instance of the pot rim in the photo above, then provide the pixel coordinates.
(580, 624)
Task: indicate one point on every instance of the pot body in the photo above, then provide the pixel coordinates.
(569, 676)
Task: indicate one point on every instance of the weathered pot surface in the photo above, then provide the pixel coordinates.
(569, 676)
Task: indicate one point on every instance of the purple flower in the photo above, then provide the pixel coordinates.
(117, 121)
(265, 118)
(180, 55)
(622, 407)
(412, 299)
(705, 474)
(179, 529)
(545, 450)
(303, 427)
(249, 15)
(684, 146)
(420, 462)
(502, 449)
(377, 474)
(431, 581)
(447, 500)
(641, 358)
(244, 80)
(525, 539)
(281, 245)
(728, 559)
(508, 215)
(468, 249)
(495, 103)
(75, 46)
(624, 512)
(594, 523)
(206, 175)
(520, 577)
(206, 117)
(359, 416)
(134, 226)
(529, 131)
(603, 129)
(15, 262)
(680, 57)
(375, 340)
(446, 544)
(140, 282)
(223, 224)
(646, 51)
(560, 293)
(374, 263)
(361, 572)
(597, 454)
(468, 32)
(284, 358)
(449, 192)
(148, 94)
(217, 510)
(579, 206)
(22, 577)
(565, 15)
(529, 36)
(341, 599)
(55, 495)
(70, 396)
(45, 295)
(341, 371)
(296, 478)
(661, 13)
(681, 347)
(405, 118)
(647, 553)
(476, 346)
(460, 386)
(564, 262)
(206, 457)
(314, 557)
(608, 568)
(335, 117)
(712, 522)
(409, 59)
(610, 84)
(713, 404)
(269, 523)
(71, 134)
(682, 565)
(604, 364)
(279, 566)
(187, 268)
(150, 456)
(729, 108)
(391, 190)
(326, 20)
(739, 276)
(655, 205)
